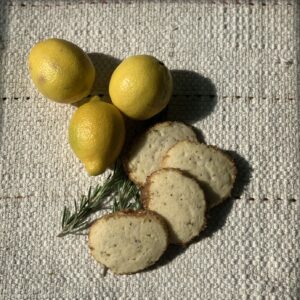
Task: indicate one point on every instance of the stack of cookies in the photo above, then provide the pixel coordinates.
(180, 179)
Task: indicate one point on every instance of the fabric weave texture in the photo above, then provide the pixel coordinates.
(235, 66)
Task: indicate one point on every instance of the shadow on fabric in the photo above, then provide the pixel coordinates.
(194, 96)
(104, 65)
(3, 37)
(217, 216)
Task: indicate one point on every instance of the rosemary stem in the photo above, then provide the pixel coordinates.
(116, 193)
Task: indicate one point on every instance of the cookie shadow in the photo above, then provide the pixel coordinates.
(194, 97)
(215, 221)
(244, 173)
(218, 215)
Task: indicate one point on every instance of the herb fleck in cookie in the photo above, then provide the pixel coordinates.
(147, 151)
(214, 170)
(179, 199)
(128, 242)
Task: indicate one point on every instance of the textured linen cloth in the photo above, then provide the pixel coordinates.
(235, 67)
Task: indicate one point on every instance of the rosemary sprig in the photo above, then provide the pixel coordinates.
(127, 197)
(117, 186)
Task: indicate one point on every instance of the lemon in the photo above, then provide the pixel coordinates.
(141, 86)
(61, 71)
(96, 134)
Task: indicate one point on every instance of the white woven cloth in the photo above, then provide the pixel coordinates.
(236, 80)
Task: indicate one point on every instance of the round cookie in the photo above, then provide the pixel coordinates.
(179, 200)
(147, 151)
(127, 242)
(214, 170)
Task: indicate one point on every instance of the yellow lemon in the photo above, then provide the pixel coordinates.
(96, 134)
(61, 71)
(141, 86)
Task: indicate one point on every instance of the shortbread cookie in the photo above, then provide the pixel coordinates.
(179, 199)
(147, 151)
(214, 170)
(127, 242)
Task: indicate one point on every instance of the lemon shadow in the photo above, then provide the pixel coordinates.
(104, 66)
(194, 96)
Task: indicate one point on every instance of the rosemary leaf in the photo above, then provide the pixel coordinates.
(117, 189)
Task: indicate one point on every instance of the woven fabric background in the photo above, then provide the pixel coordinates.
(235, 66)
